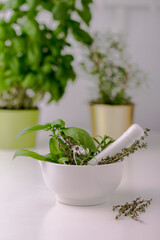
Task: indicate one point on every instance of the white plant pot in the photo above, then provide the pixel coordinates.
(82, 185)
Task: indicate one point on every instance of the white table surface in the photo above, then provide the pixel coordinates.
(29, 211)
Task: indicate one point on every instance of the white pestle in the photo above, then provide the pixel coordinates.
(133, 133)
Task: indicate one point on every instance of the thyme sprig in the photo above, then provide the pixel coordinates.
(132, 209)
(138, 144)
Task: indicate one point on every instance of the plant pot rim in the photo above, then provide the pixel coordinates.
(19, 110)
(110, 105)
(80, 166)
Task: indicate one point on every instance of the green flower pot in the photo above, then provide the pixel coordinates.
(11, 122)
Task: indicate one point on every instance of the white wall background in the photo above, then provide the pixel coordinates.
(140, 21)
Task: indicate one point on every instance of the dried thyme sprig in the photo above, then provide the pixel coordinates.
(138, 144)
(132, 209)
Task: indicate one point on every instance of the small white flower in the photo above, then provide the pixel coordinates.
(80, 150)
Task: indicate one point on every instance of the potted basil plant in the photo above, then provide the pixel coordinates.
(66, 168)
(35, 59)
(112, 109)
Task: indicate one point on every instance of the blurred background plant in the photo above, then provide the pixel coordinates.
(116, 75)
(33, 57)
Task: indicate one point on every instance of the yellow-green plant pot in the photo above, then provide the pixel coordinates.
(11, 122)
(111, 120)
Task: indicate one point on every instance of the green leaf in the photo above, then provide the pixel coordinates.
(31, 28)
(53, 146)
(2, 31)
(32, 4)
(63, 145)
(27, 153)
(34, 55)
(1, 6)
(84, 2)
(73, 24)
(68, 58)
(14, 4)
(51, 158)
(19, 44)
(80, 136)
(96, 140)
(54, 91)
(47, 68)
(63, 160)
(28, 80)
(85, 14)
(15, 65)
(34, 128)
(58, 123)
(60, 11)
(82, 36)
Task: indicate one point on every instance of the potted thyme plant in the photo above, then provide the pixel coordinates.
(66, 168)
(34, 60)
(116, 76)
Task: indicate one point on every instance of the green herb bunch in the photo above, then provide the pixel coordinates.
(132, 209)
(116, 75)
(67, 145)
(75, 146)
(35, 54)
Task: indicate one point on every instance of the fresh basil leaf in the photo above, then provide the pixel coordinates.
(53, 146)
(80, 136)
(28, 153)
(34, 128)
(58, 123)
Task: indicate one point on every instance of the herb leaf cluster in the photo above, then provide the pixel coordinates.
(109, 61)
(67, 145)
(35, 54)
(75, 146)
